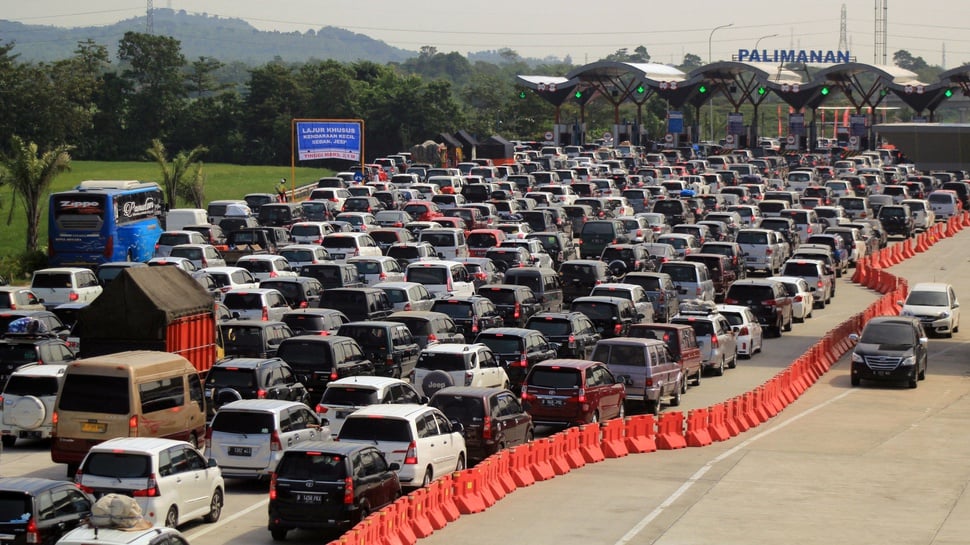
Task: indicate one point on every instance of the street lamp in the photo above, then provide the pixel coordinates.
(710, 39)
(762, 38)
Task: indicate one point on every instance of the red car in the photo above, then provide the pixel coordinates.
(423, 210)
(572, 392)
(481, 240)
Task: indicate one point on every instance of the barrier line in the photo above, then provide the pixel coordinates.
(692, 480)
(222, 522)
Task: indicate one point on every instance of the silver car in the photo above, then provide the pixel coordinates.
(407, 295)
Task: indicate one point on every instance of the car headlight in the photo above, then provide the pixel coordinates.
(856, 358)
(908, 361)
(944, 314)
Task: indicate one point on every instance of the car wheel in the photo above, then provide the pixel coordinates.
(279, 534)
(428, 477)
(172, 517)
(914, 382)
(595, 418)
(734, 360)
(9, 441)
(362, 511)
(461, 463)
(683, 385)
(789, 324)
(621, 414)
(675, 399)
(530, 436)
(922, 373)
(215, 507)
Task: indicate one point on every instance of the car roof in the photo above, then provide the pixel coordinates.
(510, 331)
(469, 391)
(249, 363)
(365, 381)
(453, 348)
(41, 370)
(28, 485)
(566, 362)
(343, 448)
(145, 445)
(263, 405)
(630, 340)
(930, 286)
(399, 410)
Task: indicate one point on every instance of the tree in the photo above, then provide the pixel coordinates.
(201, 79)
(690, 62)
(30, 175)
(640, 55)
(905, 59)
(183, 176)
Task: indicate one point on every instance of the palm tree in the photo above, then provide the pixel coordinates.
(30, 175)
(183, 176)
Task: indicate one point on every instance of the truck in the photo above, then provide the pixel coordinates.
(152, 308)
(254, 241)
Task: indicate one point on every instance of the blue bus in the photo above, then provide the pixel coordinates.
(104, 220)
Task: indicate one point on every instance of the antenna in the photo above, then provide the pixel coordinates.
(149, 17)
(881, 30)
(943, 63)
(843, 43)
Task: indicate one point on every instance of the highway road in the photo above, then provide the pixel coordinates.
(877, 464)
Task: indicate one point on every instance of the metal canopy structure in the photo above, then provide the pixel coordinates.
(618, 82)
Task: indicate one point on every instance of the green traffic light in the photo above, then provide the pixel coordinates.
(762, 90)
(578, 95)
(702, 89)
(640, 90)
(948, 93)
(522, 94)
(825, 91)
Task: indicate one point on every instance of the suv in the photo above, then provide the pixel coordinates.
(316, 360)
(935, 305)
(514, 302)
(896, 219)
(627, 258)
(598, 234)
(429, 328)
(681, 342)
(390, 345)
(890, 348)
(471, 314)
(572, 392)
(661, 291)
(299, 291)
(256, 304)
(612, 316)
(65, 285)
(572, 332)
(646, 369)
(358, 303)
(251, 378)
(248, 437)
(558, 245)
(813, 271)
(720, 270)
(517, 349)
(41, 510)
(344, 396)
(693, 281)
(333, 275)
(579, 276)
(457, 365)
(310, 477)
(493, 418)
(28, 402)
(19, 350)
(768, 300)
(714, 334)
(418, 438)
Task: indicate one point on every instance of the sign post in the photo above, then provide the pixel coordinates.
(326, 139)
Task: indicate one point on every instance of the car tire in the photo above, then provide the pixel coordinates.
(734, 360)
(914, 382)
(432, 379)
(652, 408)
(461, 463)
(683, 385)
(215, 507)
(922, 373)
(675, 399)
(172, 517)
(788, 325)
(595, 418)
(428, 477)
(279, 534)
(719, 371)
(8, 441)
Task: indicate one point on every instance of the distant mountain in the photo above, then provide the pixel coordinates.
(225, 39)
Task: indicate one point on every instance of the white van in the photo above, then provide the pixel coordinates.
(449, 242)
(441, 277)
(177, 218)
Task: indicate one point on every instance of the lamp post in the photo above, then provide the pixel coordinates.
(762, 38)
(710, 40)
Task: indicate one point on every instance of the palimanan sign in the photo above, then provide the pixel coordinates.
(793, 56)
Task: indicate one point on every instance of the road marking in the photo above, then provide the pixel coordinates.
(208, 528)
(638, 527)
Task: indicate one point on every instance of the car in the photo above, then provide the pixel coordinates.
(333, 275)
(517, 349)
(441, 277)
(633, 292)
(344, 396)
(936, 306)
(715, 337)
(342, 245)
(768, 300)
(429, 328)
(201, 255)
(693, 280)
(802, 294)
(661, 290)
(171, 481)
(374, 269)
(612, 316)
(299, 291)
(579, 276)
(360, 222)
(482, 270)
(572, 333)
(169, 239)
(106, 272)
(627, 258)
(891, 348)
(183, 263)
(28, 402)
(516, 303)
(410, 252)
(358, 303)
(252, 338)
(446, 365)
(319, 321)
(492, 419)
(569, 392)
(419, 439)
(407, 295)
(896, 219)
(748, 333)
(646, 369)
(264, 267)
(31, 515)
(470, 313)
(392, 218)
(681, 342)
(233, 379)
(318, 359)
(229, 278)
(28, 340)
(300, 255)
(60, 285)
(311, 476)
(247, 437)
(256, 304)
(718, 268)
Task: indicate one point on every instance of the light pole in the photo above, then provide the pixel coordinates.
(710, 40)
(762, 38)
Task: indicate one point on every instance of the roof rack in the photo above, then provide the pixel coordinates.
(697, 307)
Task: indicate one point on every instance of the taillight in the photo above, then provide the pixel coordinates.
(349, 491)
(581, 397)
(260, 394)
(411, 456)
(819, 284)
(730, 301)
(72, 296)
(273, 274)
(769, 302)
(432, 338)
(617, 329)
(265, 316)
(272, 486)
(151, 491)
(743, 331)
(208, 437)
(133, 426)
(572, 341)
(468, 378)
(333, 375)
(407, 306)
(714, 343)
(448, 283)
(474, 324)
(523, 360)
(274, 442)
(487, 428)
(517, 312)
(33, 536)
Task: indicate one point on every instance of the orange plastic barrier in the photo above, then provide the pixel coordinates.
(589, 443)
(401, 521)
(613, 444)
(861, 267)
(640, 434)
(490, 481)
(468, 494)
(417, 517)
(670, 431)
(503, 469)
(735, 423)
(574, 455)
(698, 428)
(386, 525)
(539, 456)
(431, 508)
(557, 454)
(761, 409)
(718, 422)
(750, 410)
(520, 466)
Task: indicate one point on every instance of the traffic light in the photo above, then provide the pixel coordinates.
(578, 94)
(825, 91)
(641, 89)
(702, 89)
(948, 93)
(762, 91)
(522, 95)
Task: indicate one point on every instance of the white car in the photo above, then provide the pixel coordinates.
(441, 277)
(407, 295)
(299, 255)
(201, 255)
(87, 534)
(444, 365)
(65, 285)
(183, 263)
(247, 438)
(309, 232)
(171, 480)
(748, 333)
(230, 278)
(345, 396)
(419, 438)
(28, 401)
(266, 266)
(256, 304)
(374, 269)
(340, 246)
(936, 306)
(803, 297)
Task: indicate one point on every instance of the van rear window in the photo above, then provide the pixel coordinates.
(13, 506)
(95, 394)
(375, 429)
(312, 466)
(51, 280)
(243, 422)
(25, 385)
(555, 378)
(118, 465)
(461, 408)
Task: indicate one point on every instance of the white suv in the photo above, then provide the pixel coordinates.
(344, 245)
(419, 438)
(264, 304)
(171, 480)
(85, 535)
(446, 365)
(28, 402)
(441, 277)
(345, 396)
(65, 285)
(936, 306)
(266, 266)
(247, 437)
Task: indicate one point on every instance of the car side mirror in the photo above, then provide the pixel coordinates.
(212, 463)
(924, 340)
(854, 337)
(457, 426)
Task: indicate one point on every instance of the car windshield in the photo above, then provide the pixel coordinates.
(927, 298)
(439, 239)
(243, 301)
(17, 354)
(702, 328)
(482, 240)
(243, 422)
(339, 242)
(751, 237)
(119, 465)
(454, 309)
(315, 465)
(570, 270)
(745, 293)
(297, 256)
(25, 385)
(349, 396)
(598, 228)
(376, 429)
(550, 377)
(432, 361)
(888, 333)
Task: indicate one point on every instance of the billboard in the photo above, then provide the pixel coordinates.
(328, 140)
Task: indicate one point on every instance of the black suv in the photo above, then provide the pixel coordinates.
(326, 484)
(559, 246)
(518, 349)
(572, 331)
(493, 418)
(40, 510)
(661, 291)
(253, 338)
(308, 321)
(514, 302)
(333, 275)
(316, 360)
(890, 348)
(390, 346)
(612, 316)
(579, 276)
(299, 292)
(471, 314)
(897, 219)
(510, 257)
(626, 258)
(768, 300)
(359, 303)
(19, 350)
(251, 378)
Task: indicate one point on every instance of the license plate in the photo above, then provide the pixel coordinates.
(93, 427)
(882, 373)
(309, 498)
(240, 451)
(751, 258)
(553, 402)
(337, 256)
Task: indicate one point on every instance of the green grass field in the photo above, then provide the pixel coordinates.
(223, 181)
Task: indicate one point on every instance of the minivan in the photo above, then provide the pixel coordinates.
(544, 282)
(358, 303)
(449, 243)
(646, 368)
(282, 214)
(127, 394)
(441, 277)
(693, 280)
(681, 341)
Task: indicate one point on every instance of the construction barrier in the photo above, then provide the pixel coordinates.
(670, 431)
(574, 454)
(698, 428)
(539, 458)
(613, 444)
(520, 467)
(640, 434)
(502, 460)
(589, 443)
(718, 423)
(468, 494)
(418, 518)
(557, 454)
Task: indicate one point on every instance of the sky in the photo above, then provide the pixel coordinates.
(583, 31)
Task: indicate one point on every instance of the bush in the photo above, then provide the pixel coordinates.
(18, 269)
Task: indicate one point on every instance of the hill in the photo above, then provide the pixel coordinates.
(226, 39)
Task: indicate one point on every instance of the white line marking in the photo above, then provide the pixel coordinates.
(192, 534)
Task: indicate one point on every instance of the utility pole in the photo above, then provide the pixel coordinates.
(843, 41)
(881, 31)
(149, 18)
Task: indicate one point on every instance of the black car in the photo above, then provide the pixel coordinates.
(768, 300)
(316, 360)
(559, 246)
(890, 348)
(299, 292)
(518, 349)
(471, 314)
(358, 303)
(52, 324)
(626, 258)
(327, 484)
(573, 332)
(730, 249)
(578, 277)
(40, 511)
(19, 350)
(320, 321)
(333, 275)
(612, 316)
(510, 257)
(482, 270)
(390, 346)
(514, 302)
(493, 418)
(253, 338)
(661, 290)
(784, 225)
(897, 219)
(251, 378)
